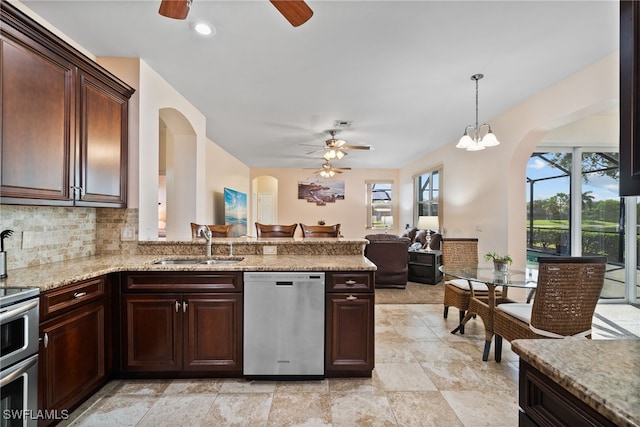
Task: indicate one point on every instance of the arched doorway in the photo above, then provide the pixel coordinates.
(176, 175)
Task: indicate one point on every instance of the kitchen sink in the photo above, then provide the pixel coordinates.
(212, 261)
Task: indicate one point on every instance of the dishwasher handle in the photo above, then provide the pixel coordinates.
(279, 283)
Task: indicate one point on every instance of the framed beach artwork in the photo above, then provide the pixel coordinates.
(321, 192)
(235, 211)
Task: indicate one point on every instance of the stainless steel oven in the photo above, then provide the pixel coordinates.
(19, 393)
(19, 324)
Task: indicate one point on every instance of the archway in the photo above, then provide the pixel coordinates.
(176, 175)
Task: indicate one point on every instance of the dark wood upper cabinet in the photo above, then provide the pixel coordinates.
(629, 98)
(64, 121)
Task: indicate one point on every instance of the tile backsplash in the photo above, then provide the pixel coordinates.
(45, 234)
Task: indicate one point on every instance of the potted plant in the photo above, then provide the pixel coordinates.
(500, 262)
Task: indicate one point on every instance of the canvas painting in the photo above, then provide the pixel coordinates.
(321, 192)
(235, 211)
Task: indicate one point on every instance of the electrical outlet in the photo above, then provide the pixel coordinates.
(270, 250)
(128, 234)
(28, 239)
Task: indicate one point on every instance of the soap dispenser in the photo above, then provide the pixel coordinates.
(3, 254)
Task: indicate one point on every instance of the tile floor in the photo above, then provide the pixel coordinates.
(424, 376)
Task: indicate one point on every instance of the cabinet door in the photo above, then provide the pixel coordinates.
(213, 332)
(72, 356)
(102, 145)
(349, 349)
(152, 341)
(37, 115)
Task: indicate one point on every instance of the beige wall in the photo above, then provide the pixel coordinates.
(351, 213)
(484, 193)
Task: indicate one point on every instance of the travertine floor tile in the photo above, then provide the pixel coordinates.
(482, 409)
(178, 410)
(239, 409)
(422, 409)
(404, 377)
(300, 409)
(361, 409)
(125, 410)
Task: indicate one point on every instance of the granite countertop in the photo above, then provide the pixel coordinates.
(53, 275)
(605, 374)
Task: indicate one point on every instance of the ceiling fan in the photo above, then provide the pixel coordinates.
(335, 148)
(295, 11)
(328, 171)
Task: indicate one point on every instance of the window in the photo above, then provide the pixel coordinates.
(427, 190)
(379, 204)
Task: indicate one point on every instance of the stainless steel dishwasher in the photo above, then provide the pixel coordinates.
(283, 325)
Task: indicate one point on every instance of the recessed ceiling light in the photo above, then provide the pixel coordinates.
(203, 28)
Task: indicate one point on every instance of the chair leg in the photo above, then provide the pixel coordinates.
(446, 311)
(498, 348)
(462, 313)
(487, 347)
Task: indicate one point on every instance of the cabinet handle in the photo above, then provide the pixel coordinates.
(184, 306)
(177, 306)
(45, 340)
(351, 298)
(350, 282)
(78, 294)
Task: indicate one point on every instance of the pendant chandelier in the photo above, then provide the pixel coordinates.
(472, 140)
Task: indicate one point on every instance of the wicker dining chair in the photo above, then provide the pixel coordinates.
(320, 230)
(566, 296)
(457, 292)
(273, 230)
(216, 230)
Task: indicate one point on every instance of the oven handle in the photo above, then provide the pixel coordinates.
(17, 312)
(20, 368)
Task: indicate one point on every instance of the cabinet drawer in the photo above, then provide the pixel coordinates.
(185, 282)
(70, 296)
(357, 281)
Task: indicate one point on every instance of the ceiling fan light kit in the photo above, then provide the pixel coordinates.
(472, 139)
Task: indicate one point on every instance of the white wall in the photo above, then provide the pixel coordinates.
(351, 213)
(484, 192)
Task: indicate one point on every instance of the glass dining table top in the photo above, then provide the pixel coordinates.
(518, 278)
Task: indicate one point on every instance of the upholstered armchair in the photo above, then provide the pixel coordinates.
(389, 253)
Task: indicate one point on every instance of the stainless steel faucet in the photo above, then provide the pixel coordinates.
(205, 232)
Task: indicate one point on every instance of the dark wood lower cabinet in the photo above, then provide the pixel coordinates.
(183, 332)
(197, 328)
(76, 345)
(543, 402)
(349, 341)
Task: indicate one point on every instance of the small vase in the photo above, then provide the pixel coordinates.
(501, 266)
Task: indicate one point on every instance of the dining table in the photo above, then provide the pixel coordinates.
(484, 304)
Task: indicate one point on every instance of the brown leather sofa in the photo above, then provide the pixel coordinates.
(389, 253)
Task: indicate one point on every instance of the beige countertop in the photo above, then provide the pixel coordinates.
(605, 374)
(53, 275)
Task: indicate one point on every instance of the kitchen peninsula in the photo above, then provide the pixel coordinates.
(579, 382)
(130, 316)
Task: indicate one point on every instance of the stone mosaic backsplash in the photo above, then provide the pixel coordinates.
(46, 234)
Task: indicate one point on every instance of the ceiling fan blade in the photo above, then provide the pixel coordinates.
(316, 151)
(295, 11)
(356, 147)
(176, 9)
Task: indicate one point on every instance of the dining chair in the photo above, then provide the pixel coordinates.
(458, 292)
(566, 296)
(273, 230)
(216, 230)
(320, 230)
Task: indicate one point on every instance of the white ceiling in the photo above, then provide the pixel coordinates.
(400, 70)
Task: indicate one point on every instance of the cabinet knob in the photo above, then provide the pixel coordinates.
(351, 298)
(349, 282)
(177, 306)
(184, 306)
(78, 294)
(45, 340)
